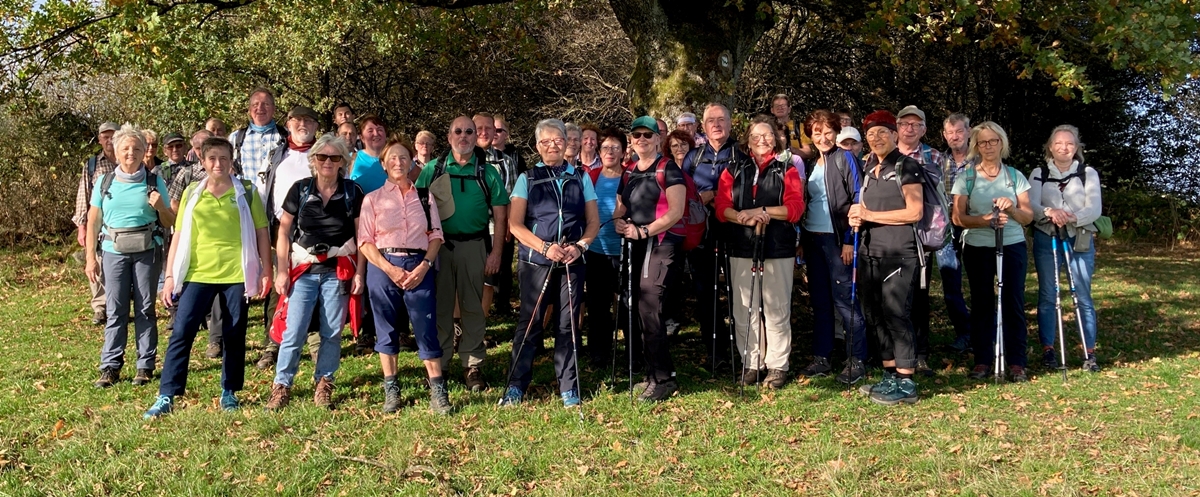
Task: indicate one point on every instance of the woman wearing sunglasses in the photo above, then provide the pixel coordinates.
(315, 267)
(654, 245)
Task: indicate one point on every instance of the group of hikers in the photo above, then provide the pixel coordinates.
(609, 230)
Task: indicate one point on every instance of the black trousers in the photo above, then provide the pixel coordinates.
(605, 283)
(920, 310)
(652, 269)
(886, 286)
(533, 277)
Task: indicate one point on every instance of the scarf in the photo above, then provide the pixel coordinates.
(303, 148)
(301, 261)
(251, 266)
(266, 128)
(124, 177)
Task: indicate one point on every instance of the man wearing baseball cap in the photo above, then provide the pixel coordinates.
(910, 125)
(687, 122)
(102, 163)
(849, 139)
(176, 149)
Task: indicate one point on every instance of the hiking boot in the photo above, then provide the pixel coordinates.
(161, 407)
(749, 377)
(853, 372)
(363, 346)
(903, 391)
(99, 317)
(923, 368)
(391, 397)
(980, 372)
(213, 351)
(229, 401)
(142, 377)
(406, 343)
(108, 377)
(818, 367)
(570, 398)
(885, 383)
(776, 379)
(512, 397)
(323, 393)
(474, 380)
(267, 361)
(1049, 358)
(962, 344)
(640, 386)
(281, 396)
(1090, 364)
(439, 397)
(1017, 374)
(658, 391)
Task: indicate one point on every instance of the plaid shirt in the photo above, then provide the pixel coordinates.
(255, 153)
(950, 170)
(83, 196)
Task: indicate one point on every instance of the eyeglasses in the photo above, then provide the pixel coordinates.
(914, 125)
(611, 148)
(989, 143)
(552, 141)
(468, 131)
(760, 138)
(642, 134)
(323, 158)
(871, 135)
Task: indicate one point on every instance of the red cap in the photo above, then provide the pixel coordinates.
(879, 118)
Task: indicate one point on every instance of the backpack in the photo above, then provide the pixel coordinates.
(306, 191)
(481, 167)
(695, 216)
(935, 218)
(1009, 173)
(1103, 224)
(241, 138)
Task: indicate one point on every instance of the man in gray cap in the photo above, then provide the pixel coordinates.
(176, 148)
(910, 124)
(288, 164)
(102, 163)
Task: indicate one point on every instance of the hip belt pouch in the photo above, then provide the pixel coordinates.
(132, 240)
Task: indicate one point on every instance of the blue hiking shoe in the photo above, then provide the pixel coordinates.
(161, 407)
(903, 391)
(512, 397)
(228, 401)
(885, 383)
(571, 398)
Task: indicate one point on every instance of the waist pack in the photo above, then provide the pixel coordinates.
(133, 240)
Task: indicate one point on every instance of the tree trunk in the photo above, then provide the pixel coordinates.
(688, 52)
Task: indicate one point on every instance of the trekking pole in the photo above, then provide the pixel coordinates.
(760, 331)
(853, 303)
(998, 347)
(1074, 295)
(1062, 340)
(521, 348)
(715, 300)
(629, 311)
(617, 318)
(574, 346)
(727, 273)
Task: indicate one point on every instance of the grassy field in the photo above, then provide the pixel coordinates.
(1129, 430)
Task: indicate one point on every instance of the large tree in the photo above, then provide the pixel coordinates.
(687, 51)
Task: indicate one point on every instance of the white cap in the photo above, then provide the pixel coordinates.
(686, 118)
(849, 132)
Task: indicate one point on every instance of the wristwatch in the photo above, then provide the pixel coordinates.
(428, 263)
(583, 246)
(545, 247)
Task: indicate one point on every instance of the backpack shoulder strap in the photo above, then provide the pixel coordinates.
(1012, 181)
(970, 180)
(926, 154)
(348, 196)
(91, 167)
(481, 168)
(660, 174)
(423, 195)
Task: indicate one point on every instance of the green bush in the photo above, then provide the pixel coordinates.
(1142, 215)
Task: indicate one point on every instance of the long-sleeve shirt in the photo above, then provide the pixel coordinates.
(793, 193)
(1079, 196)
(83, 196)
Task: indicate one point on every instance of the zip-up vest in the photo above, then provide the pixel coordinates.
(780, 237)
(553, 213)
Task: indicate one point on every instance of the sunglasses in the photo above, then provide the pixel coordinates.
(330, 158)
(468, 131)
(642, 134)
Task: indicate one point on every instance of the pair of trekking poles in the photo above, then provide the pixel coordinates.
(757, 275)
(537, 306)
(1059, 242)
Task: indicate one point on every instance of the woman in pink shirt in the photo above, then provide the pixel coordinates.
(400, 233)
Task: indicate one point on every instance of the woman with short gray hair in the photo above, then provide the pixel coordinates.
(126, 219)
(315, 266)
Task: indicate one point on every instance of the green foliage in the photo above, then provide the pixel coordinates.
(1154, 217)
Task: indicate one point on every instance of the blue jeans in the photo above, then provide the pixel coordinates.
(195, 301)
(387, 300)
(331, 297)
(829, 290)
(1083, 265)
(980, 265)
